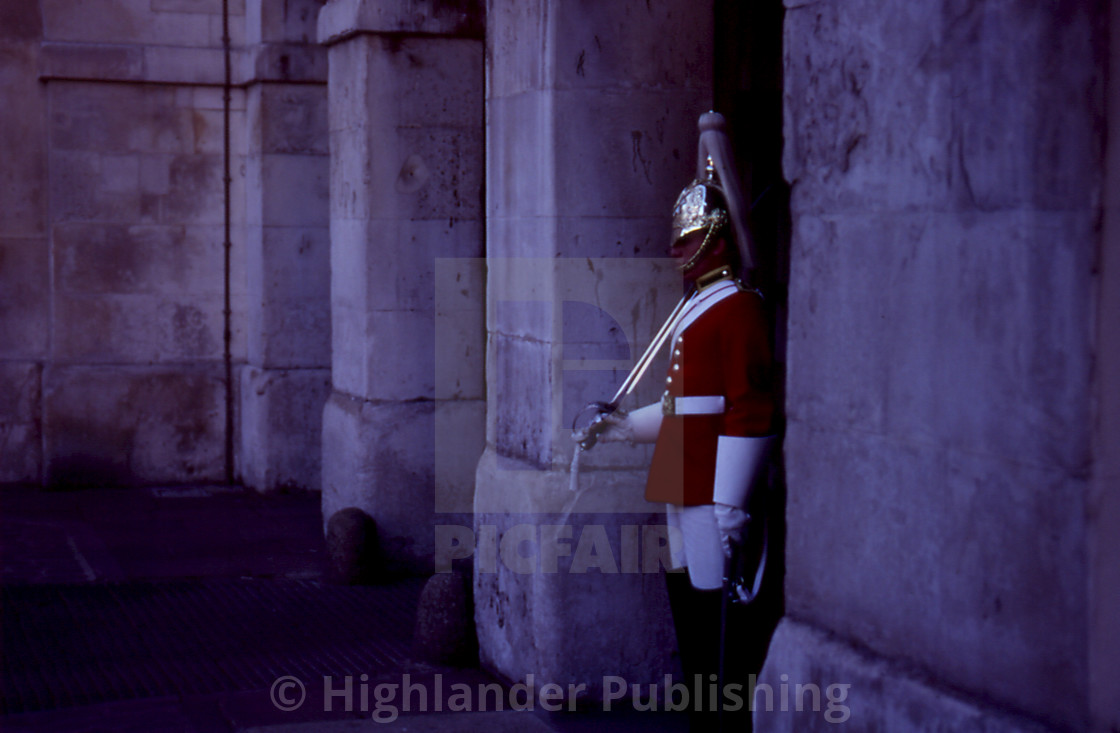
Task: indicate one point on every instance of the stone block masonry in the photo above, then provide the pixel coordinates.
(946, 171)
(111, 324)
(591, 133)
(403, 427)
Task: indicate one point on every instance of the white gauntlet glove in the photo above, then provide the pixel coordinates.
(618, 427)
(730, 521)
(639, 426)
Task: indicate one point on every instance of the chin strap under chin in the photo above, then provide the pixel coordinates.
(694, 260)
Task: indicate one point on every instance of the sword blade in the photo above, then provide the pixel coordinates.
(643, 363)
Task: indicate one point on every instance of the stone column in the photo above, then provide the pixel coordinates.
(946, 162)
(24, 254)
(1104, 497)
(287, 379)
(591, 133)
(403, 427)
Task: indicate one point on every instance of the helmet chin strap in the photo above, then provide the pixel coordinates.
(706, 245)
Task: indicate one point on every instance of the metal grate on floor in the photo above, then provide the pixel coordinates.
(67, 645)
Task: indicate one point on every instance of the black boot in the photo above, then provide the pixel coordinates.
(696, 619)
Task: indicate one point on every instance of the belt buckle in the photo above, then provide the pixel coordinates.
(668, 405)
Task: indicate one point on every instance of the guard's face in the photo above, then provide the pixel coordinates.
(686, 248)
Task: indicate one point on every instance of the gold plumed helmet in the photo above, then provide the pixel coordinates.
(714, 199)
(699, 207)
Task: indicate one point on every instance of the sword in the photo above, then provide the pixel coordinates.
(602, 409)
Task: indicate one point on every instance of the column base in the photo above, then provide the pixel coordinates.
(568, 586)
(386, 459)
(281, 427)
(812, 681)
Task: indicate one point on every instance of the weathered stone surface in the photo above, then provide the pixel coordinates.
(120, 119)
(611, 46)
(212, 7)
(352, 546)
(287, 250)
(966, 555)
(894, 110)
(409, 465)
(945, 162)
(269, 22)
(969, 314)
(137, 328)
(341, 19)
(538, 593)
(167, 22)
(88, 61)
(139, 258)
(522, 370)
(20, 21)
(444, 632)
(290, 333)
(21, 446)
(379, 457)
(289, 118)
(827, 683)
(430, 172)
(1104, 496)
(459, 441)
(460, 319)
(23, 181)
(128, 178)
(107, 426)
(591, 133)
(404, 426)
(24, 298)
(303, 202)
(281, 427)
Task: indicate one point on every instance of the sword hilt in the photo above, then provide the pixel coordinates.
(597, 425)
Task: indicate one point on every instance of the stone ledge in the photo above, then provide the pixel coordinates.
(141, 64)
(880, 694)
(291, 63)
(340, 20)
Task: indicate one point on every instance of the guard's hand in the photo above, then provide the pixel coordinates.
(608, 427)
(619, 428)
(731, 520)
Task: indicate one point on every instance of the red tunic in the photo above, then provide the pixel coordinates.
(724, 352)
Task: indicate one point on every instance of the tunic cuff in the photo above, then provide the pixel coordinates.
(739, 463)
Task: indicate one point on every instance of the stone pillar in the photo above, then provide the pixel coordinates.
(591, 133)
(1104, 500)
(24, 255)
(286, 381)
(403, 427)
(946, 168)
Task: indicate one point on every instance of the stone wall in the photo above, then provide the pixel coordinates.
(591, 133)
(403, 427)
(1104, 497)
(24, 260)
(285, 383)
(133, 387)
(112, 355)
(946, 167)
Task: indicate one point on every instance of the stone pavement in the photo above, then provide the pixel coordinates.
(208, 609)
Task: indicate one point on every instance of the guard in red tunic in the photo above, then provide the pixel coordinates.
(713, 424)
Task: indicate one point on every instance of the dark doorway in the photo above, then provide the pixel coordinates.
(748, 91)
